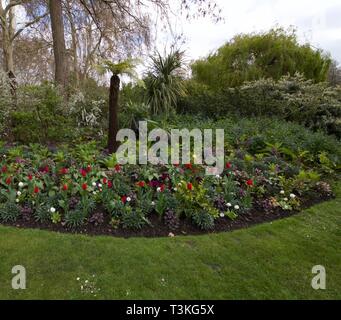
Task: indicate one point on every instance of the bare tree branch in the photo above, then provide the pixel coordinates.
(28, 24)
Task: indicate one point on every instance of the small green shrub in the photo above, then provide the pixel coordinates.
(25, 127)
(75, 218)
(133, 219)
(9, 212)
(203, 220)
(42, 214)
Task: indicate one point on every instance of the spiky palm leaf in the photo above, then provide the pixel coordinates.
(126, 67)
(164, 83)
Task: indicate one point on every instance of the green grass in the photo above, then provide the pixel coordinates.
(269, 261)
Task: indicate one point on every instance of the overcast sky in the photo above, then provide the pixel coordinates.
(317, 21)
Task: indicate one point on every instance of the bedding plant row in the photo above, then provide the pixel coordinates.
(84, 190)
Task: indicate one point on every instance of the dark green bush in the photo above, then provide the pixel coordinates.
(39, 117)
(252, 134)
(315, 106)
(25, 127)
(28, 128)
(43, 116)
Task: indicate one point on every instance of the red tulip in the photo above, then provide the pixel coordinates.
(88, 168)
(64, 171)
(4, 169)
(105, 180)
(8, 180)
(118, 168)
(84, 186)
(141, 184)
(30, 177)
(228, 165)
(188, 166)
(65, 187)
(36, 189)
(124, 199)
(190, 186)
(83, 172)
(109, 184)
(249, 183)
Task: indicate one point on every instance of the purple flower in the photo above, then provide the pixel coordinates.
(242, 193)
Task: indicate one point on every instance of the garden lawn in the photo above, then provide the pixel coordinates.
(269, 261)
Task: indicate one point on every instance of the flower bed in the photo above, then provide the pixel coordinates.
(92, 194)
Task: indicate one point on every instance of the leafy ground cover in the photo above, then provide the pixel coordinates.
(272, 169)
(40, 187)
(268, 261)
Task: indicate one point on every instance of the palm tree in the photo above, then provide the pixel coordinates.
(123, 68)
(164, 81)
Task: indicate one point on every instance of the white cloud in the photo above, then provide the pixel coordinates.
(316, 21)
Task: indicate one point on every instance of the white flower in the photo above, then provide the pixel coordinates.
(153, 203)
(100, 186)
(52, 210)
(236, 207)
(128, 199)
(19, 193)
(158, 189)
(94, 184)
(282, 192)
(229, 205)
(78, 279)
(292, 196)
(286, 199)
(222, 215)
(175, 189)
(17, 200)
(218, 176)
(94, 193)
(21, 184)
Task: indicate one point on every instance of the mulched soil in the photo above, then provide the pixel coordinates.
(158, 228)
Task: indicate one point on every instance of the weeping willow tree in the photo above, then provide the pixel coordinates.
(164, 82)
(126, 67)
(249, 57)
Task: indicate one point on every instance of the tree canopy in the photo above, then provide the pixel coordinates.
(249, 57)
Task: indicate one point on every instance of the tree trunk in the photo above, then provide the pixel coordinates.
(8, 55)
(74, 43)
(9, 65)
(75, 56)
(8, 49)
(59, 48)
(113, 113)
